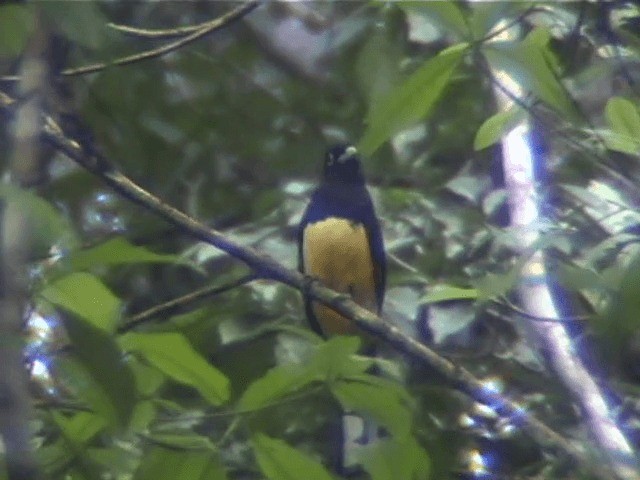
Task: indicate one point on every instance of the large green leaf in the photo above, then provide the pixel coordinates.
(411, 101)
(494, 285)
(172, 354)
(530, 63)
(16, 23)
(53, 457)
(116, 461)
(621, 319)
(576, 278)
(337, 357)
(279, 461)
(393, 458)
(443, 293)
(331, 360)
(275, 384)
(143, 415)
(619, 142)
(181, 441)
(118, 251)
(86, 296)
(175, 464)
(382, 400)
(79, 428)
(624, 118)
(48, 227)
(100, 377)
(494, 127)
(148, 378)
(77, 431)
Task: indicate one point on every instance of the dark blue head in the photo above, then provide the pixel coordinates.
(342, 164)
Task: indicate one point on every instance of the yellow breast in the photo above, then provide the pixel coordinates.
(337, 252)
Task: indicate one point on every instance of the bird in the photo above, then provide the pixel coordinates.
(340, 242)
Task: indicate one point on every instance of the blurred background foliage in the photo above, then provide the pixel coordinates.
(231, 129)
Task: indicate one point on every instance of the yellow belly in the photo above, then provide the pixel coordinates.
(336, 251)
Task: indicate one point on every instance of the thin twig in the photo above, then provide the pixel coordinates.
(164, 33)
(172, 305)
(504, 301)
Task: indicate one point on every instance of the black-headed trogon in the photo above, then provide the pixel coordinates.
(340, 241)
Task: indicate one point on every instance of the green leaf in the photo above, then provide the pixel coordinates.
(606, 249)
(392, 459)
(16, 24)
(337, 358)
(529, 62)
(497, 284)
(48, 227)
(442, 293)
(411, 101)
(79, 428)
(117, 461)
(275, 384)
(619, 322)
(383, 400)
(619, 142)
(181, 441)
(494, 127)
(100, 377)
(86, 296)
(168, 464)
(118, 251)
(148, 379)
(144, 413)
(575, 278)
(54, 456)
(279, 461)
(172, 354)
(624, 118)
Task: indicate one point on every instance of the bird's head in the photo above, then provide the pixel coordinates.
(342, 164)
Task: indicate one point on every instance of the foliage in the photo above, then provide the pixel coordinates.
(231, 130)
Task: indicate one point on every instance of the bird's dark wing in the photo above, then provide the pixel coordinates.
(379, 259)
(310, 214)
